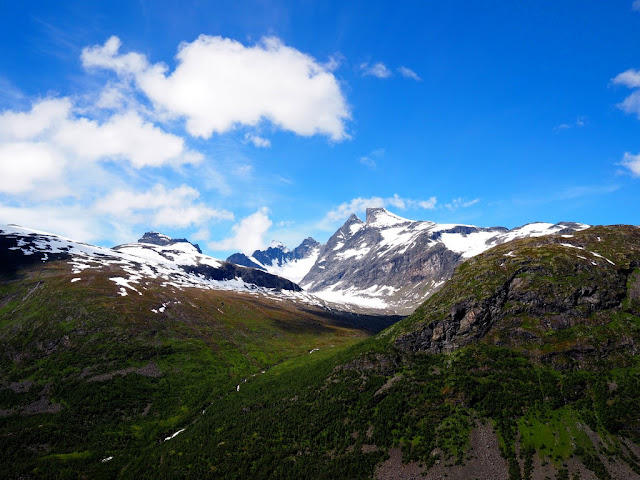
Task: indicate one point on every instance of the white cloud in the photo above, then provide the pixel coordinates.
(159, 206)
(636, 5)
(219, 83)
(459, 202)
(378, 69)
(632, 162)
(369, 160)
(257, 141)
(248, 234)
(127, 136)
(26, 166)
(44, 116)
(71, 221)
(629, 78)
(408, 73)
(356, 205)
(580, 122)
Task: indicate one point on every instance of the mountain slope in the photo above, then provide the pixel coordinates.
(279, 260)
(105, 355)
(541, 381)
(392, 263)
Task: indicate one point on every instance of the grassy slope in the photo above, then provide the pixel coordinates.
(86, 374)
(337, 412)
(336, 415)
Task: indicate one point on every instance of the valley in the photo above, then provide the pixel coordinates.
(149, 361)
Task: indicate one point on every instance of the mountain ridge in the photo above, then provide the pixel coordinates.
(394, 264)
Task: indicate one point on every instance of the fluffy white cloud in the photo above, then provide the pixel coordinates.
(44, 116)
(72, 221)
(257, 141)
(632, 162)
(159, 206)
(219, 83)
(125, 136)
(49, 144)
(378, 69)
(344, 210)
(630, 79)
(25, 166)
(408, 73)
(248, 234)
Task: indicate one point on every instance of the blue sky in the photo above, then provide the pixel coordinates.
(235, 123)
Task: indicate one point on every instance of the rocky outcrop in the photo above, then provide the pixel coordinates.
(395, 263)
(155, 238)
(520, 292)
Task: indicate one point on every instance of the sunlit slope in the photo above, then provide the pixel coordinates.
(544, 382)
(87, 373)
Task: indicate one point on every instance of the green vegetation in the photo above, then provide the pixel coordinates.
(551, 370)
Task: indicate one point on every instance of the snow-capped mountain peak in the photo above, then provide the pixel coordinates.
(381, 217)
(277, 244)
(277, 259)
(395, 263)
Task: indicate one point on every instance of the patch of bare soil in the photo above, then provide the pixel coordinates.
(485, 462)
(149, 370)
(394, 469)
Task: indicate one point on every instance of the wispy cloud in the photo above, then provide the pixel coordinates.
(580, 122)
(359, 205)
(408, 73)
(377, 69)
(632, 163)
(257, 141)
(630, 79)
(370, 160)
(460, 202)
(636, 5)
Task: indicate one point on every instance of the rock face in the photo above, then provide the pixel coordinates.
(393, 263)
(189, 257)
(156, 238)
(279, 260)
(520, 293)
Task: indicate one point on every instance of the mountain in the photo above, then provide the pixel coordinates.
(279, 260)
(107, 354)
(392, 263)
(523, 366)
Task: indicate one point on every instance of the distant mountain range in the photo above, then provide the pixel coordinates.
(155, 256)
(279, 260)
(388, 262)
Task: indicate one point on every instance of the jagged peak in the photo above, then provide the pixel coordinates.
(162, 240)
(353, 219)
(381, 217)
(277, 244)
(155, 238)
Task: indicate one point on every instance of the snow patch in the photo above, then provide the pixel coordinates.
(175, 434)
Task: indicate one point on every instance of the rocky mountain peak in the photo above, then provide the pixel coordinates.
(381, 217)
(156, 238)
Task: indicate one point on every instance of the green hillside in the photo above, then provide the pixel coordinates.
(524, 365)
(87, 374)
(544, 385)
